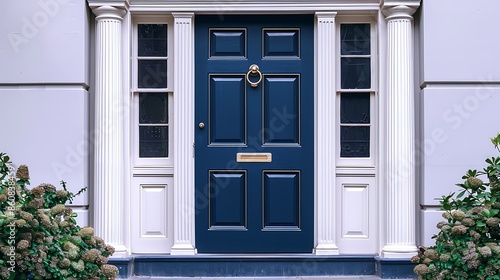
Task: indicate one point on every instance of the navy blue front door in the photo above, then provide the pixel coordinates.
(254, 150)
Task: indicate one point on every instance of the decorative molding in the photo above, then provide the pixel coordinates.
(109, 169)
(109, 13)
(325, 132)
(400, 193)
(184, 207)
(399, 9)
(226, 7)
(123, 4)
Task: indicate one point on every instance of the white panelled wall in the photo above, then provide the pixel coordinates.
(347, 213)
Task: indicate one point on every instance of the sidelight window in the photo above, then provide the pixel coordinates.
(152, 92)
(355, 94)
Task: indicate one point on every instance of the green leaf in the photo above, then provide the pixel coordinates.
(494, 212)
(485, 213)
(446, 206)
(461, 194)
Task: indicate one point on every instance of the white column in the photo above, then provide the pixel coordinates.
(109, 146)
(184, 231)
(325, 135)
(400, 195)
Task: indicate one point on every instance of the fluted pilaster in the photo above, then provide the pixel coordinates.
(325, 133)
(109, 146)
(183, 135)
(400, 235)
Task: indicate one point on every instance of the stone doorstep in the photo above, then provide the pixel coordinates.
(252, 267)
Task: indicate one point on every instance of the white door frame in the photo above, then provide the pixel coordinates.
(397, 235)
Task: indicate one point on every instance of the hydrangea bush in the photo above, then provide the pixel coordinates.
(468, 242)
(39, 236)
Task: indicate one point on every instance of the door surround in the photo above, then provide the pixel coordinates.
(325, 232)
(395, 28)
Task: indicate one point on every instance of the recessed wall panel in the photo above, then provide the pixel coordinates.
(227, 43)
(281, 43)
(281, 200)
(227, 200)
(355, 210)
(153, 210)
(281, 102)
(227, 109)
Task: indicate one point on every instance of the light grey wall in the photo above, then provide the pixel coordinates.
(44, 41)
(44, 78)
(459, 97)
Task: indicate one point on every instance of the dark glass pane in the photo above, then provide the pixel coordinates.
(355, 73)
(355, 107)
(354, 141)
(152, 74)
(153, 141)
(355, 39)
(153, 108)
(152, 40)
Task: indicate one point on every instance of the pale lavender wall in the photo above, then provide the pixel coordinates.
(44, 77)
(459, 97)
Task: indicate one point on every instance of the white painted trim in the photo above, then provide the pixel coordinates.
(164, 19)
(356, 171)
(357, 216)
(226, 6)
(373, 90)
(109, 173)
(184, 167)
(400, 193)
(152, 225)
(184, 206)
(150, 175)
(325, 210)
(127, 161)
(151, 162)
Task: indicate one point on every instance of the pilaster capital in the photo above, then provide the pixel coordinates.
(402, 9)
(183, 15)
(183, 18)
(325, 15)
(109, 9)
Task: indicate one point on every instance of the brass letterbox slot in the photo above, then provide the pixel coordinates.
(254, 157)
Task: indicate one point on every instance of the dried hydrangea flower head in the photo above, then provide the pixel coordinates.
(474, 182)
(458, 215)
(421, 269)
(23, 172)
(109, 271)
(43, 221)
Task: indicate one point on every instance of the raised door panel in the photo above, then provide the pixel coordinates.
(358, 213)
(151, 214)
